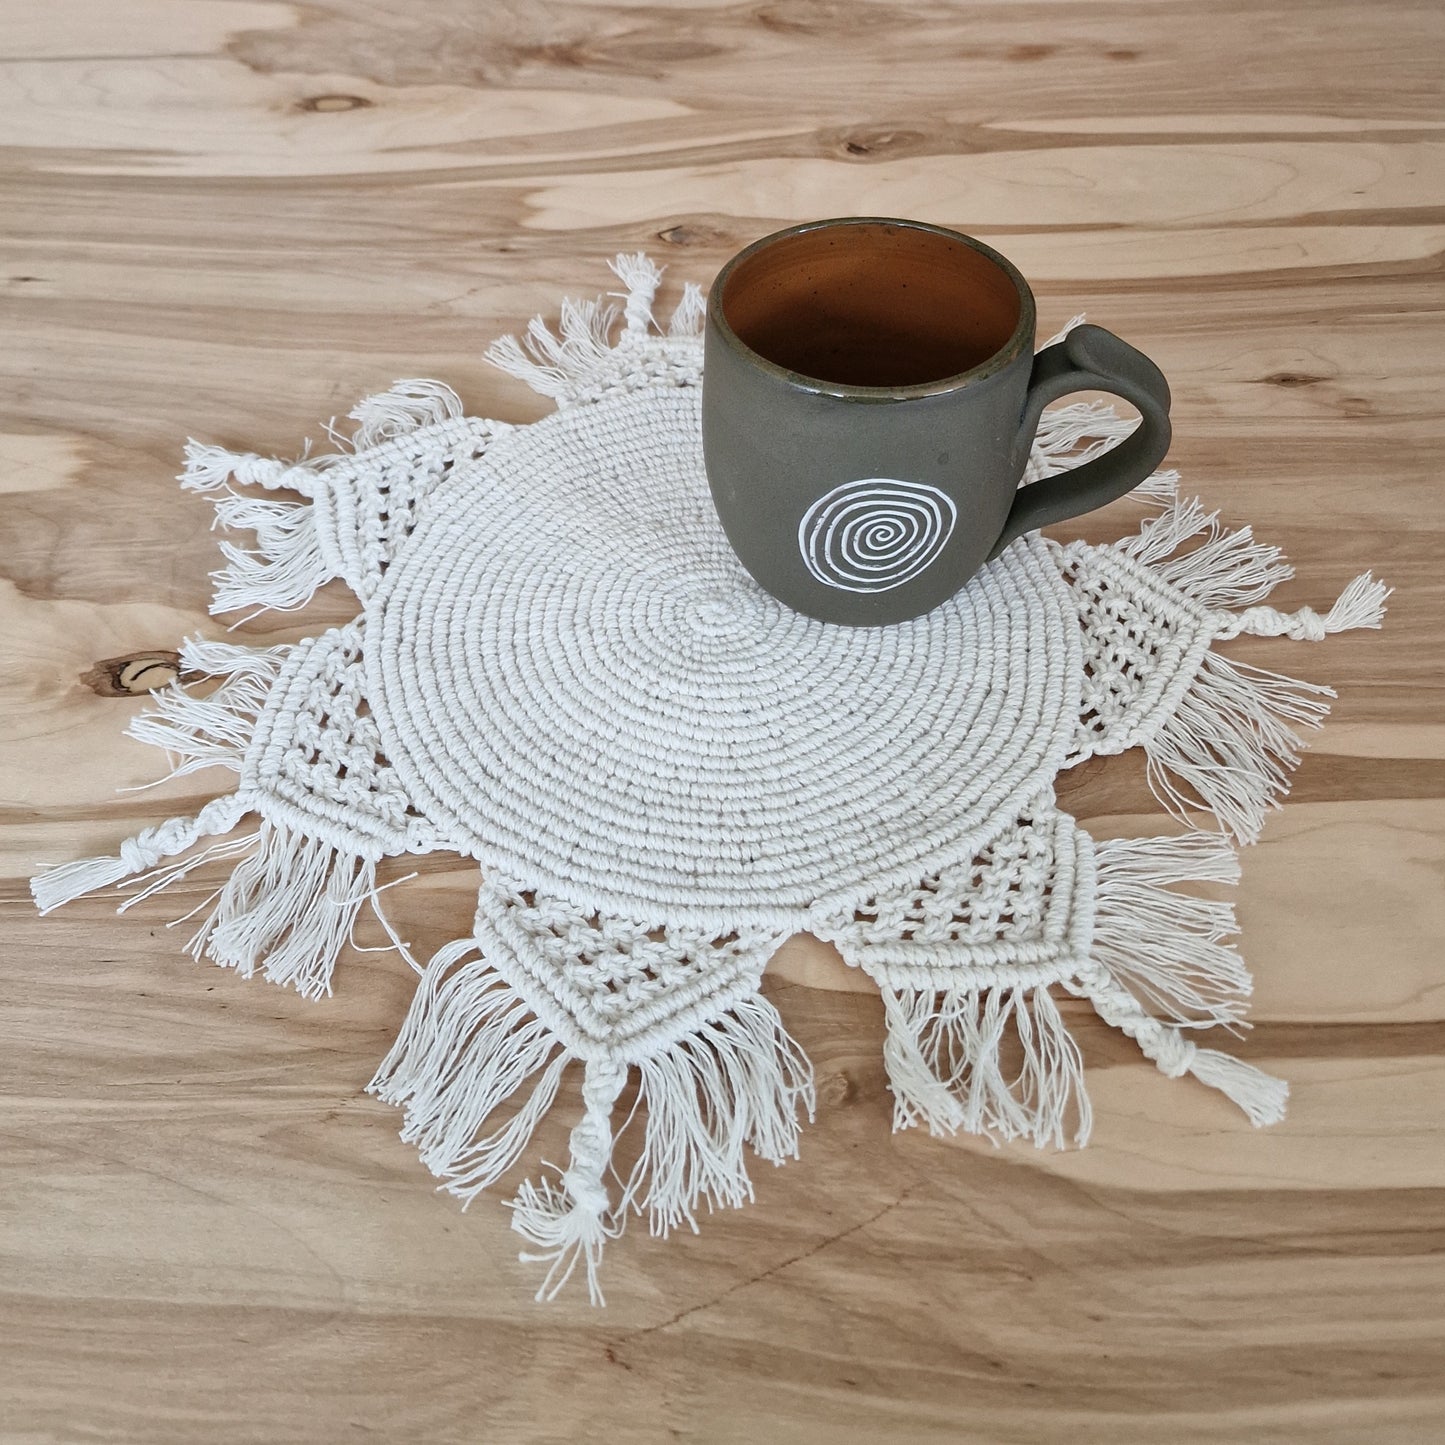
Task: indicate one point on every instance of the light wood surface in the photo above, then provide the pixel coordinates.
(230, 219)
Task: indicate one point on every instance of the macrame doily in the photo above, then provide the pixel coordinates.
(561, 670)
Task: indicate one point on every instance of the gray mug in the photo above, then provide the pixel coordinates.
(870, 394)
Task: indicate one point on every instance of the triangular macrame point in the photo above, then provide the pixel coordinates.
(982, 1047)
(1221, 736)
(473, 1044)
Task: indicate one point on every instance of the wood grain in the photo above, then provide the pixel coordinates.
(229, 220)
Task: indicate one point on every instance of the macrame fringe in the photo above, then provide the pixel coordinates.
(945, 1056)
(288, 908)
(737, 1080)
(410, 405)
(1236, 732)
(1158, 951)
(1069, 436)
(213, 729)
(563, 364)
(471, 1045)
(1231, 569)
(288, 562)
(286, 566)
(1231, 743)
(687, 319)
(1170, 948)
(1227, 569)
(292, 900)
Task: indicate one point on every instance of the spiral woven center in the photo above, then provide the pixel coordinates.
(578, 674)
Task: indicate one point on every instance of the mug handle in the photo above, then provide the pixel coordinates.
(1090, 359)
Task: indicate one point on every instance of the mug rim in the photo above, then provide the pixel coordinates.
(1023, 332)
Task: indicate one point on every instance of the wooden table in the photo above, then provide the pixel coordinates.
(230, 218)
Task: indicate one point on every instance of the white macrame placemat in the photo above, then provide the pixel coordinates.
(560, 669)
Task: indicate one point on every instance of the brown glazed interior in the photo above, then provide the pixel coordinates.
(872, 303)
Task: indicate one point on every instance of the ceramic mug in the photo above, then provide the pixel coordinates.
(870, 394)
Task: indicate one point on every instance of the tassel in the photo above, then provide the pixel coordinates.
(1261, 1096)
(1361, 604)
(1169, 947)
(137, 855)
(1232, 740)
(289, 907)
(642, 276)
(68, 881)
(410, 405)
(943, 1053)
(570, 1221)
(469, 1043)
(211, 469)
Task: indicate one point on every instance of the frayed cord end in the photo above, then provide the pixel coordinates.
(568, 1224)
(1260, 1096)
(68, 881)
(213, 469)
(1361, 604)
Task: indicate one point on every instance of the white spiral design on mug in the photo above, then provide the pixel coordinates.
(875, 533)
